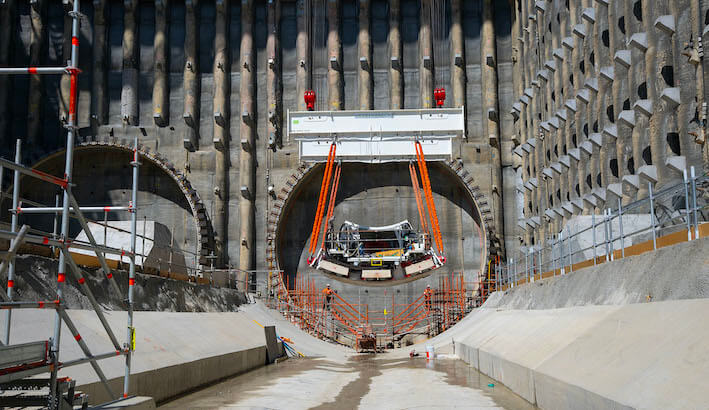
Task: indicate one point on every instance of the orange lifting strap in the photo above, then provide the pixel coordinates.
(417, 194)
(333, 194)
(322, 199)
(429, 197)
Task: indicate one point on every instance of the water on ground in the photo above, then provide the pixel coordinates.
(363, 382)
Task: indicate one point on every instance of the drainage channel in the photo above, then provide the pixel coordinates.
(362, 381)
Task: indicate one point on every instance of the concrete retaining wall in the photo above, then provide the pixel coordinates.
(167, 382)
(175, 352)
(651, 355)
(593, 340)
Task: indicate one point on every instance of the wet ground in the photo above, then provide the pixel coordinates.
(362, 382)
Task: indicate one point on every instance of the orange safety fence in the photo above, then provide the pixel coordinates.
(306, 306)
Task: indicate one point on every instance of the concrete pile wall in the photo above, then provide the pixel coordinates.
(208, 85)
(627, 334)
(608, 97)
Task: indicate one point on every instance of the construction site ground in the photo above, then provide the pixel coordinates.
(625, 334)
(365, 381)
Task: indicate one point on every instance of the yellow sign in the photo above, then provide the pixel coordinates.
(392, 252)
(385, 311)
(132, 339)
(376, 262)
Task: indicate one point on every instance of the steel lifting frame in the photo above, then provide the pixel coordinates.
(329, 176)
(69, 206)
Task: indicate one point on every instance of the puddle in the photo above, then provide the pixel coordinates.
(363, 382)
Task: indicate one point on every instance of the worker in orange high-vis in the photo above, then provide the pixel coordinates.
(327, 293)
(427, 295)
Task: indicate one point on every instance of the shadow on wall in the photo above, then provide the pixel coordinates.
(381, 194)
(103, 177)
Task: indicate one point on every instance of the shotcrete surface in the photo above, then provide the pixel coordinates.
(36, 280)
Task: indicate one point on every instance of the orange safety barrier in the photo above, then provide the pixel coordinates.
(429, 197)
(344, 322)
(322, 199)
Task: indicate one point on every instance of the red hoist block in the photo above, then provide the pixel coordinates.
(439, 94)
(309, 97)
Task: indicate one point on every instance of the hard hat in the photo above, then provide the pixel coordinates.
(428, 286)
(328, 285)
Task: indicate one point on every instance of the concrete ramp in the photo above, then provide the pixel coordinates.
(175, 352)
(553, 344)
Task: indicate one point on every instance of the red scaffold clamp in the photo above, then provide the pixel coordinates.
(439, 94)
(309, 97)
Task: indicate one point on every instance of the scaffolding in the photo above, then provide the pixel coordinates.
(37, 362)
(396, 317)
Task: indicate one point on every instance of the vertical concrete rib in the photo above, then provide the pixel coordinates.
(621, 92)
(335, 84)
(557, 103)
(657, 53)
(396, 65)
(520, 85)
(273, 76)
(36, 91)
(458, 54)
(537, 103)
(692, 93)
(425, 56)
(247, 132)
(222, 86)
(161, 107)
(129, 92)
(491, 110)
(602, 45)
(7, 24)
(190, 78)
(303, 71)
(568, 19)
(364, 44)
(703, 78)
(99, 100)
(636, 84)
(579, 115)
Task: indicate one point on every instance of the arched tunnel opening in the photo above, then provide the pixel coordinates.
(375, 195)
(103, 178)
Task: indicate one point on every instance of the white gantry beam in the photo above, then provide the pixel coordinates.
(376, 136)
